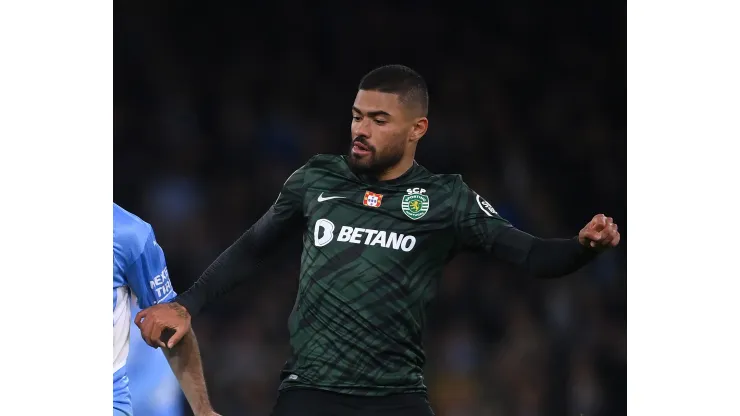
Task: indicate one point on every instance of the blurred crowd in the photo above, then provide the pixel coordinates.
(215, 105)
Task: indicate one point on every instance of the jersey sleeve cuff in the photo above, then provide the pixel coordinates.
(188, 302)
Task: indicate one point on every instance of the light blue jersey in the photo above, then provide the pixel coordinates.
(139, 273)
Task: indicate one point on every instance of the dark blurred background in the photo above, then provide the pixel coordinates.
(216, 105)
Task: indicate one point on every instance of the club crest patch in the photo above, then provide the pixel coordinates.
(415, 205)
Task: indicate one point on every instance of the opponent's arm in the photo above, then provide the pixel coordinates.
(480, 227)
(149, 280)
(232, 267)
(184, 359)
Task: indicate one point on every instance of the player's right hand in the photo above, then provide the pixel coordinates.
(153, 320)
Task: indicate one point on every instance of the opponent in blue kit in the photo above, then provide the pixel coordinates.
(140, 274)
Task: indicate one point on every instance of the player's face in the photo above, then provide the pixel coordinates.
(381, 128)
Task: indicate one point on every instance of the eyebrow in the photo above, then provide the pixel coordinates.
(372, 113)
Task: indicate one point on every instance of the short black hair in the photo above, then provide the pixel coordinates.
(398, 79)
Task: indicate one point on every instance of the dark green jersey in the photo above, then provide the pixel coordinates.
(373, 253)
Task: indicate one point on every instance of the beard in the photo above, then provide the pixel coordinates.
(375, 163)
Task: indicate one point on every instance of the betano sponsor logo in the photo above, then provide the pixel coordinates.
(323, 234)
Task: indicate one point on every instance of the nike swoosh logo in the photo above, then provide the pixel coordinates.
(322, 199)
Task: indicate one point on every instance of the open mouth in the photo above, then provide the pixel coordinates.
(360, 149)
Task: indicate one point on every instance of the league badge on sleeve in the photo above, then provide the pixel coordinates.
(415, 205)
(485, 206)
(372, 199)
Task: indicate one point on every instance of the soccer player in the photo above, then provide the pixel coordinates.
(140, 270)
(378, 229)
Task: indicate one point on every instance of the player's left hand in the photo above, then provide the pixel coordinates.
(600, 233)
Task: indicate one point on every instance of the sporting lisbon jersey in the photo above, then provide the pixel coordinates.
(139, 271)
(373, 254)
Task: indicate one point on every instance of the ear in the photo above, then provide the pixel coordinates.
(419, 129)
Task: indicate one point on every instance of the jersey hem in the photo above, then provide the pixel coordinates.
(357, 390)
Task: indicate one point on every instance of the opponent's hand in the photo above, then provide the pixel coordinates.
(600, 234)
(153, 320)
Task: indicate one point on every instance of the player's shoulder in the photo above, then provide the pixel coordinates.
(314, 167)
(448, 182)
(130, 232)
(325, 161)
(455, 181)
(324, 165)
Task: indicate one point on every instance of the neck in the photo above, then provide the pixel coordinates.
(397, 170)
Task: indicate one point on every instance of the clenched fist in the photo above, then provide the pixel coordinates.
(600, 233)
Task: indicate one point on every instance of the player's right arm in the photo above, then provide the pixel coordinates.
(234, 265)
(149, 280)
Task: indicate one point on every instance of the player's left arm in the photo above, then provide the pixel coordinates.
(480, 228)
(184, 359)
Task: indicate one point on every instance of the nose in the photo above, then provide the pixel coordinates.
(361, 128)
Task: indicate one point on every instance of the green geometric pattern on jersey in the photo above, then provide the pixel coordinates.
(368, 273)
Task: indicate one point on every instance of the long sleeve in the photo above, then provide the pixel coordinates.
(542, 257)
(241, 259)
(480, 228)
